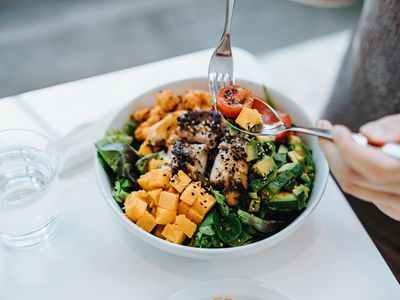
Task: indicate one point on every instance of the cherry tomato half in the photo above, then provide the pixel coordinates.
(267, 115)
(288, 123)
(232, 99)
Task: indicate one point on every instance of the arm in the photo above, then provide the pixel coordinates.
(363, 171)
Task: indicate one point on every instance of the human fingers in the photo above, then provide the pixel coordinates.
(387, 202)
(383, 130)
(366, 160)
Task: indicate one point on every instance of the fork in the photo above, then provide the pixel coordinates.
(220, 69)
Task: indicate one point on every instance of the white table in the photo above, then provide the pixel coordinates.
(93, 257)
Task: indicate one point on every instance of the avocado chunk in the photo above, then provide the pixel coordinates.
(292, 171)
(295, 157)
(304, 177)
(249, 118)
(293, 140)
(252, 150)
(264, 166)
(283, 149)
(285, 167)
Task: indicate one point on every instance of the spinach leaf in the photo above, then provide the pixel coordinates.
(223, 207)
(230, 229)
(265, 226)
(120, 160)
(244, 239)
(207, 227)
(130, 127)
(122, 188)
(143, 162)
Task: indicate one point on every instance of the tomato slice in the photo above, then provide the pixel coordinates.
(232, 99)
(287, 120)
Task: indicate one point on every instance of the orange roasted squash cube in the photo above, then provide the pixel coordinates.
(168, 200)
(155, 179)
(145, 148)
(156, 164)
(204, 203)
(165, 216)
(180, 181)
(194, 216)
(157, 232)
(172, 234)
(134, 207)
(147, 221)
(183, 208)
(153, 196)
(185, 225)
(191, 192)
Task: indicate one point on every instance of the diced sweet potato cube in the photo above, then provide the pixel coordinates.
(147, 221)
(168, 201)
(145, 148)
(153, 196)
(183, 208)
(173, 235)
(157, 232)
(155, 179)
(185, 225)
(135, 209)
(180, 181)
(204, 203)
(165, 216)
(191, 192)
(194, 216)
(173, 190)
(156, 164)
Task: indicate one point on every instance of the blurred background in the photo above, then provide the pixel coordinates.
(47, 42)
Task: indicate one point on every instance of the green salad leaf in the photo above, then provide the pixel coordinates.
(115, 135)
(264, 226)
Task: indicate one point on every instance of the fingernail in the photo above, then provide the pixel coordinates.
(375, 131)
(323, 124)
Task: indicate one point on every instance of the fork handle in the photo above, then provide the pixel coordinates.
(230, 5)
(391, 149)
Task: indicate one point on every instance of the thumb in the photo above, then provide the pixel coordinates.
(383, 130)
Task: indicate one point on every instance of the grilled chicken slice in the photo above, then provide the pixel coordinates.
(202, 127)
(229, 174)
(236, 143)
(190, 158)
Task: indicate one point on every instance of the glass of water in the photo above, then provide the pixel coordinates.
(29, 164)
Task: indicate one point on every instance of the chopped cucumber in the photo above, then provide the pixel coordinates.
(293, 171)
(282, 149)
(295, 157)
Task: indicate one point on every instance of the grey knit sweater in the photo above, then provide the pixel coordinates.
(368, 88)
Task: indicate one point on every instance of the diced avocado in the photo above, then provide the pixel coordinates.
(264, 166)
(309, 185)
(252, 150)
(259, 183)
(290, 185)
(269, 148)
(295, 157)
(293, 171)
(284, 201)
(266, 138)
(293, 139)
(305, 177)
(282, 149)
(248, 118)
(253, 195)
(301, 149)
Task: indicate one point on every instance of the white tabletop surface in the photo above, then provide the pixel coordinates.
(92, 257)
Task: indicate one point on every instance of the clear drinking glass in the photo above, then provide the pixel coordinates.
(29, 164)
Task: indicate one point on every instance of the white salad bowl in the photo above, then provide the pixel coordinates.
(283, 104)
